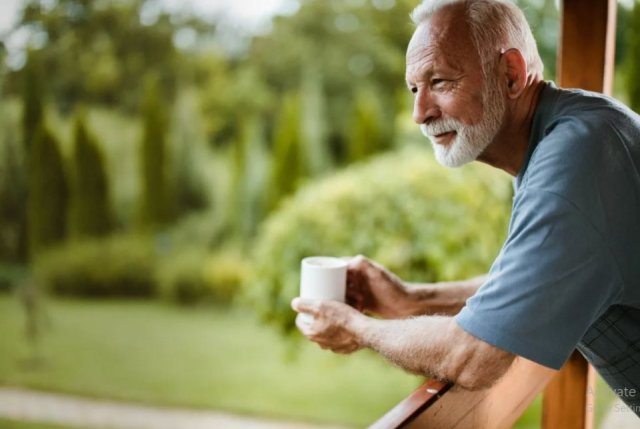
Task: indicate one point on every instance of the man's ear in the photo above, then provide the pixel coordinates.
(513, 68)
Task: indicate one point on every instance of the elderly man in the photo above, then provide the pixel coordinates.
(569, 273)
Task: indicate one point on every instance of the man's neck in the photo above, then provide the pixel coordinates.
(509, 149)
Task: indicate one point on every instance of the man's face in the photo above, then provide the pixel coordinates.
(459, 109)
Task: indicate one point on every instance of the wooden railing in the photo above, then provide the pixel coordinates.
(437, 405)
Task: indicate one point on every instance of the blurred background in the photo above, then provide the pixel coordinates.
(165, 165)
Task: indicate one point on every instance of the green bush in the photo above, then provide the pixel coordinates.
(117, 266)
(192, 276)
(226, 273)
(421, 220)
(180, 277)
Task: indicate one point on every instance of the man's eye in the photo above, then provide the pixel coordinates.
(414, 89)
(437, 82)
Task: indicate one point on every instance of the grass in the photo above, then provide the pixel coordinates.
(199, 358)
(208, 358)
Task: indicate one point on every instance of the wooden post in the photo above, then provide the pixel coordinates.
(587, 44)
(568, 401)
(585, 60)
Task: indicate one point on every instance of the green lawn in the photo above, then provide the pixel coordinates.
(201, 358)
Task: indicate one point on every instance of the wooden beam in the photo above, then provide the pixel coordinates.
(496, 408)
(421, 399)
(587, 44)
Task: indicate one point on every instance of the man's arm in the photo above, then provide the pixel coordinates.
(433, 346)
(444, 298)
(373, 289)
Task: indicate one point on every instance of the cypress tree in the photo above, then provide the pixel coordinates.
(32, 118)
(288, 158)
(366, 135)
(48, 193)
(90, 211)
(633, 58)
(13, 204)
(154, 208)
(33, 111)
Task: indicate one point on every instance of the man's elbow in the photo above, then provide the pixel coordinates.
(483, 375)
(474, 382)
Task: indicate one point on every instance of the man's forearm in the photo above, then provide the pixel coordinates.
(446, 298)
(434, 346)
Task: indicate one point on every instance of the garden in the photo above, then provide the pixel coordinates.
(163, 172)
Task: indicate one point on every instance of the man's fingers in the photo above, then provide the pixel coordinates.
(356, 263)
(304, 325)
(306, 305)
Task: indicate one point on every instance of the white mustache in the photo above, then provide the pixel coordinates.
(440, 127)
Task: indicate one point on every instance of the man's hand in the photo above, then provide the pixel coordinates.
(336, 326)
(434, 346)
(373, 289)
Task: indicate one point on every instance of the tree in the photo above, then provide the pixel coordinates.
(48, 193)
(95, 51)
(330, 50)
(155, 202)
(32, 93)
(366, 132)
(13, 191)
(90, 211)
(288, 166)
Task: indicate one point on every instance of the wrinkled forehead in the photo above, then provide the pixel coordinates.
(444, 37)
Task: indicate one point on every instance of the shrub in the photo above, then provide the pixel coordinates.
(225, 274)
(422, 221)
(180, 277)
(192, 276)
(117, 266)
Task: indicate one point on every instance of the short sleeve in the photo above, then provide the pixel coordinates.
(552, 279)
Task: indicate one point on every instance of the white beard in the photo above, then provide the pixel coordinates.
(469, 141)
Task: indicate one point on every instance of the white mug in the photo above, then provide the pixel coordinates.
(322, 277)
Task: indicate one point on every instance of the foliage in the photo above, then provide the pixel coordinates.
(366, 131)
(327, 52)
(118, 266)
(33, 110)
(48, 193)
(96, 51)
(633, 58)
(288, 166)
(189, 276)
(90, 211)
(189, 156)
(180, 277)
(422, 221)
(225, 274)
(249, 178)
(155, 207)
(13, 195)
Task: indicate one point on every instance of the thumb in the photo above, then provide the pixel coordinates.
(305, 305)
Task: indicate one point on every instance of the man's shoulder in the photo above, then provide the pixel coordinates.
(579, 116)
(589, 145)
(582, 132)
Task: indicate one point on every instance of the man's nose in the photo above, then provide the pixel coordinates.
(425, 108)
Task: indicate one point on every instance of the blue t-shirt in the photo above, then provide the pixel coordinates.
(568, 274)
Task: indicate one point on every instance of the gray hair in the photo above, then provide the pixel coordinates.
(495, 25)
